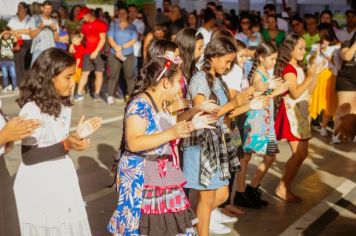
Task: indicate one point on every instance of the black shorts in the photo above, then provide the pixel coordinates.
(93, 65)
(346, 80)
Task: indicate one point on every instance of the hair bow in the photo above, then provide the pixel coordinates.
(170, 58)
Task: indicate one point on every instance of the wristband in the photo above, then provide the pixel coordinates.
(66, 148)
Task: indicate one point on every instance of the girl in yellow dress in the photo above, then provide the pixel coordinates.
(323, 99)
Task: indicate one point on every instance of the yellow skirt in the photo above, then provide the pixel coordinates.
(324, 95)
(77, 75)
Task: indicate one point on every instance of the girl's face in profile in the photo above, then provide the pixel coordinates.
(241, 57)
(173, 87)
(269, 62)
(221, 64)
(299, 50)
(63, 83)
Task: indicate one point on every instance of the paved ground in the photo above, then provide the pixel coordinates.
(327, 181)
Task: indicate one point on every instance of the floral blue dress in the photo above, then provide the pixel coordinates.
(151, 196)
(126, 218)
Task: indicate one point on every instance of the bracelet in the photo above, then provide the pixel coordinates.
(66, 148)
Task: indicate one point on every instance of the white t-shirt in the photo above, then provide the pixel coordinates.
(282, 25)
(233, 79)
(344, 35)
(206, 35)
(45, 38)
(140, 27)
(16, 24)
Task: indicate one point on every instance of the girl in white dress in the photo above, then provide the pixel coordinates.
(46, 187)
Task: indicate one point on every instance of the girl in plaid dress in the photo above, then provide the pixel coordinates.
(208, 155)
(151, 197)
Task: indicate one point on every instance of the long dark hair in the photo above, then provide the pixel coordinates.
(217, 47)
(71, 14)
(283, 59)
(285, 53)
(264, 49)
(38, 87)
(186, 40)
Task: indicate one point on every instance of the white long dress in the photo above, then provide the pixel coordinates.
(47, 194)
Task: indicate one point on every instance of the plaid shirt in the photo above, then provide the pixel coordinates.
(216, 152)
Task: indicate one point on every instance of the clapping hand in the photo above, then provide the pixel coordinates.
(181, 130)
(88, 127)
(241, 99)
(201, 121)
(275, 82)
(18, 128)
(259, 103)
(209, 106)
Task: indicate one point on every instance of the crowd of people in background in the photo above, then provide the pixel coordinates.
(204, 91)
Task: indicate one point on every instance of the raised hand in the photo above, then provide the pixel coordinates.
(281, 89)
(209, 106)
(316, 69)
(241, 99)
(201, 121)
(275, 82)
(88, 127)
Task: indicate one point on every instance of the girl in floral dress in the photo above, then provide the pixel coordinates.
(151, 197)
(259, 135)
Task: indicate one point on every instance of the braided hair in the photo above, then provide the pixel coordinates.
(217, 47)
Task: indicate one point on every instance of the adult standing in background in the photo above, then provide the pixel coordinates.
(20, 25)
(43, 30)
(270, 9)
(73, 24)
(140, 28)
(312, 35)
(121, 36)
(63, 15)
(297, 25)
(272, 33)
(176, 21)
(350, 29)
(206, 29)
(162, 18)
(94, 32)
(192, 20)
